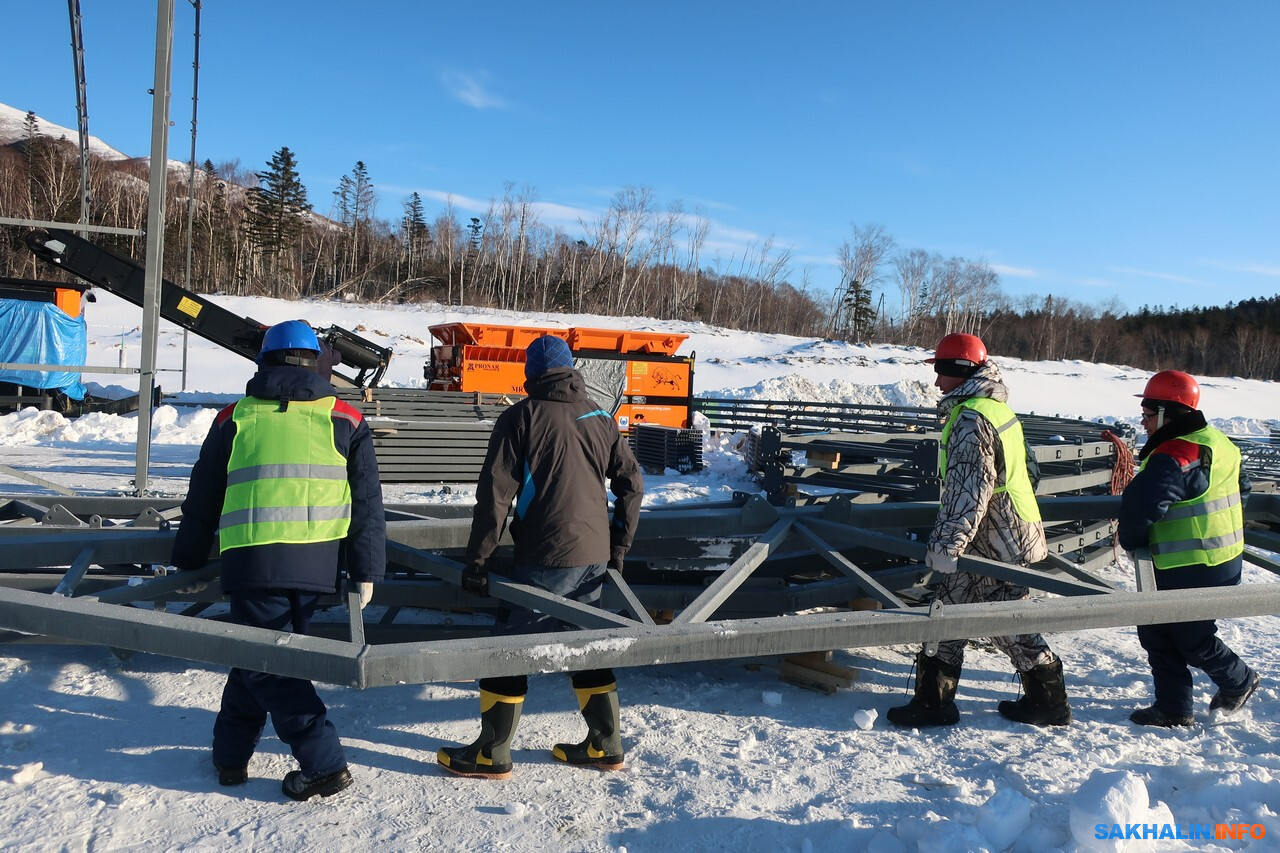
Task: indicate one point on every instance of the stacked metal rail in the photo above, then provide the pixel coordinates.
(790, 416)
(661, 448)
(804, 452)
(425, 436)
(1261, 456)
(72, 569)
(1073, 457)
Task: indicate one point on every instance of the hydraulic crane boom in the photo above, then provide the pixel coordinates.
(243, 335)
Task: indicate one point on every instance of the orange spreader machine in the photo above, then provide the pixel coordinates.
(636, 375)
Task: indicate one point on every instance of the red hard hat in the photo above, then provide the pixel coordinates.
(960, 346)
(1172, 386)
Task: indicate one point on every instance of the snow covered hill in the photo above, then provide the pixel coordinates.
(13, 129)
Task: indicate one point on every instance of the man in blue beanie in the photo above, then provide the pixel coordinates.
(546, 353)
(551, 453)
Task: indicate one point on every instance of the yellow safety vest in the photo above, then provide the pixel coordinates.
(286, 482)
(1017, 483)
(1208, 529)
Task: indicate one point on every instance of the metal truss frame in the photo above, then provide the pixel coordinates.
(819, 556)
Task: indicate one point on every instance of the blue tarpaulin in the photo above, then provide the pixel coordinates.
(41, 333)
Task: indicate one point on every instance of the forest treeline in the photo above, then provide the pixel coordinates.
(236, 231)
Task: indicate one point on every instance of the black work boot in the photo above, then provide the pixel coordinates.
(1153, 716)
(1230, 702)
(490, 756)
(603, 747)
(301, 787)
(934, 702)
(228, 776)
(1044, 697)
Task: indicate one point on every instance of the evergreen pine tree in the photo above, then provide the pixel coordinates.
(863, 316)
(277, 214)
(354, 202)
(30, 128)
(416, 236)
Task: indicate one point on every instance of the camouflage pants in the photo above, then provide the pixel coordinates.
(1025, 650)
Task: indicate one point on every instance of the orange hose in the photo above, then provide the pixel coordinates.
(1122, 472)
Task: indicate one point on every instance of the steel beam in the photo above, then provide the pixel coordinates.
(521, 595)
(93, 622)
(1262, 561)
(36, 546)
(611, 640)
(27, 476)
(75, 574)
(492, 657)
(1146, 570)
(733, 577)
(634, 607)
(915, 550)
(1064, 565)
(868, 584)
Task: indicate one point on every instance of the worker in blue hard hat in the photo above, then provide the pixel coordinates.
(288, 480)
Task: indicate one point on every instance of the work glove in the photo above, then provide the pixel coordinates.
(617, 558)
(190, 589)
(362, 588)
(941, 562)
(475, 580)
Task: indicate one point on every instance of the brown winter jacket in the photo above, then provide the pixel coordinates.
(551, 452)
(972, 518)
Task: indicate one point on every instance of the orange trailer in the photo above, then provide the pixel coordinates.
(637, 375)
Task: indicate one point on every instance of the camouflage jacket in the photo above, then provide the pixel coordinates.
(973, 519)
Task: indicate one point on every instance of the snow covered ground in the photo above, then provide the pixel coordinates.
(99, 754)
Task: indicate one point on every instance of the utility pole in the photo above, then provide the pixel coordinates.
(191, 176)
(155, 238)
(82, 109)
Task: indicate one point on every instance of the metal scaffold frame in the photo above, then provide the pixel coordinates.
(785, 559)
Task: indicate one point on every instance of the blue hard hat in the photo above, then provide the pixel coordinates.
(291, 334)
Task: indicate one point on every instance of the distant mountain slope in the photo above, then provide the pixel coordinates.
(12, 129)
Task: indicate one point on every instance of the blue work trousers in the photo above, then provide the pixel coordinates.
(583, 584)
(1172, 648)
(297, 712)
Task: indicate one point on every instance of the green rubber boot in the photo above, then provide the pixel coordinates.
(603, 747)
(490, 756)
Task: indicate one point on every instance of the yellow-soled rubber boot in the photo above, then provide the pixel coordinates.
(603, 747)
(490, 756)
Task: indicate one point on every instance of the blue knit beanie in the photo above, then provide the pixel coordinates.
(546, 353)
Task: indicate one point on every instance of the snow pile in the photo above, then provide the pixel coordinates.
(1004, 818)
(1107, 798)
(796, 388)
(1247, 426)
(168, 426)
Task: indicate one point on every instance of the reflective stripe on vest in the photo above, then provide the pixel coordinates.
(1017, 483)
(286, 482)
(1206, 530)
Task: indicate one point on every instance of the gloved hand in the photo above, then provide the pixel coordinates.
(941, 562)
(199, 586)
(475, 580)
(617, 558)
(362, 588)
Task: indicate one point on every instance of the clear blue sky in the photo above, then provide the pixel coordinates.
(1085, 149)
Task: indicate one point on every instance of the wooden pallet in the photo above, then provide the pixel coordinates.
(815, 671)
